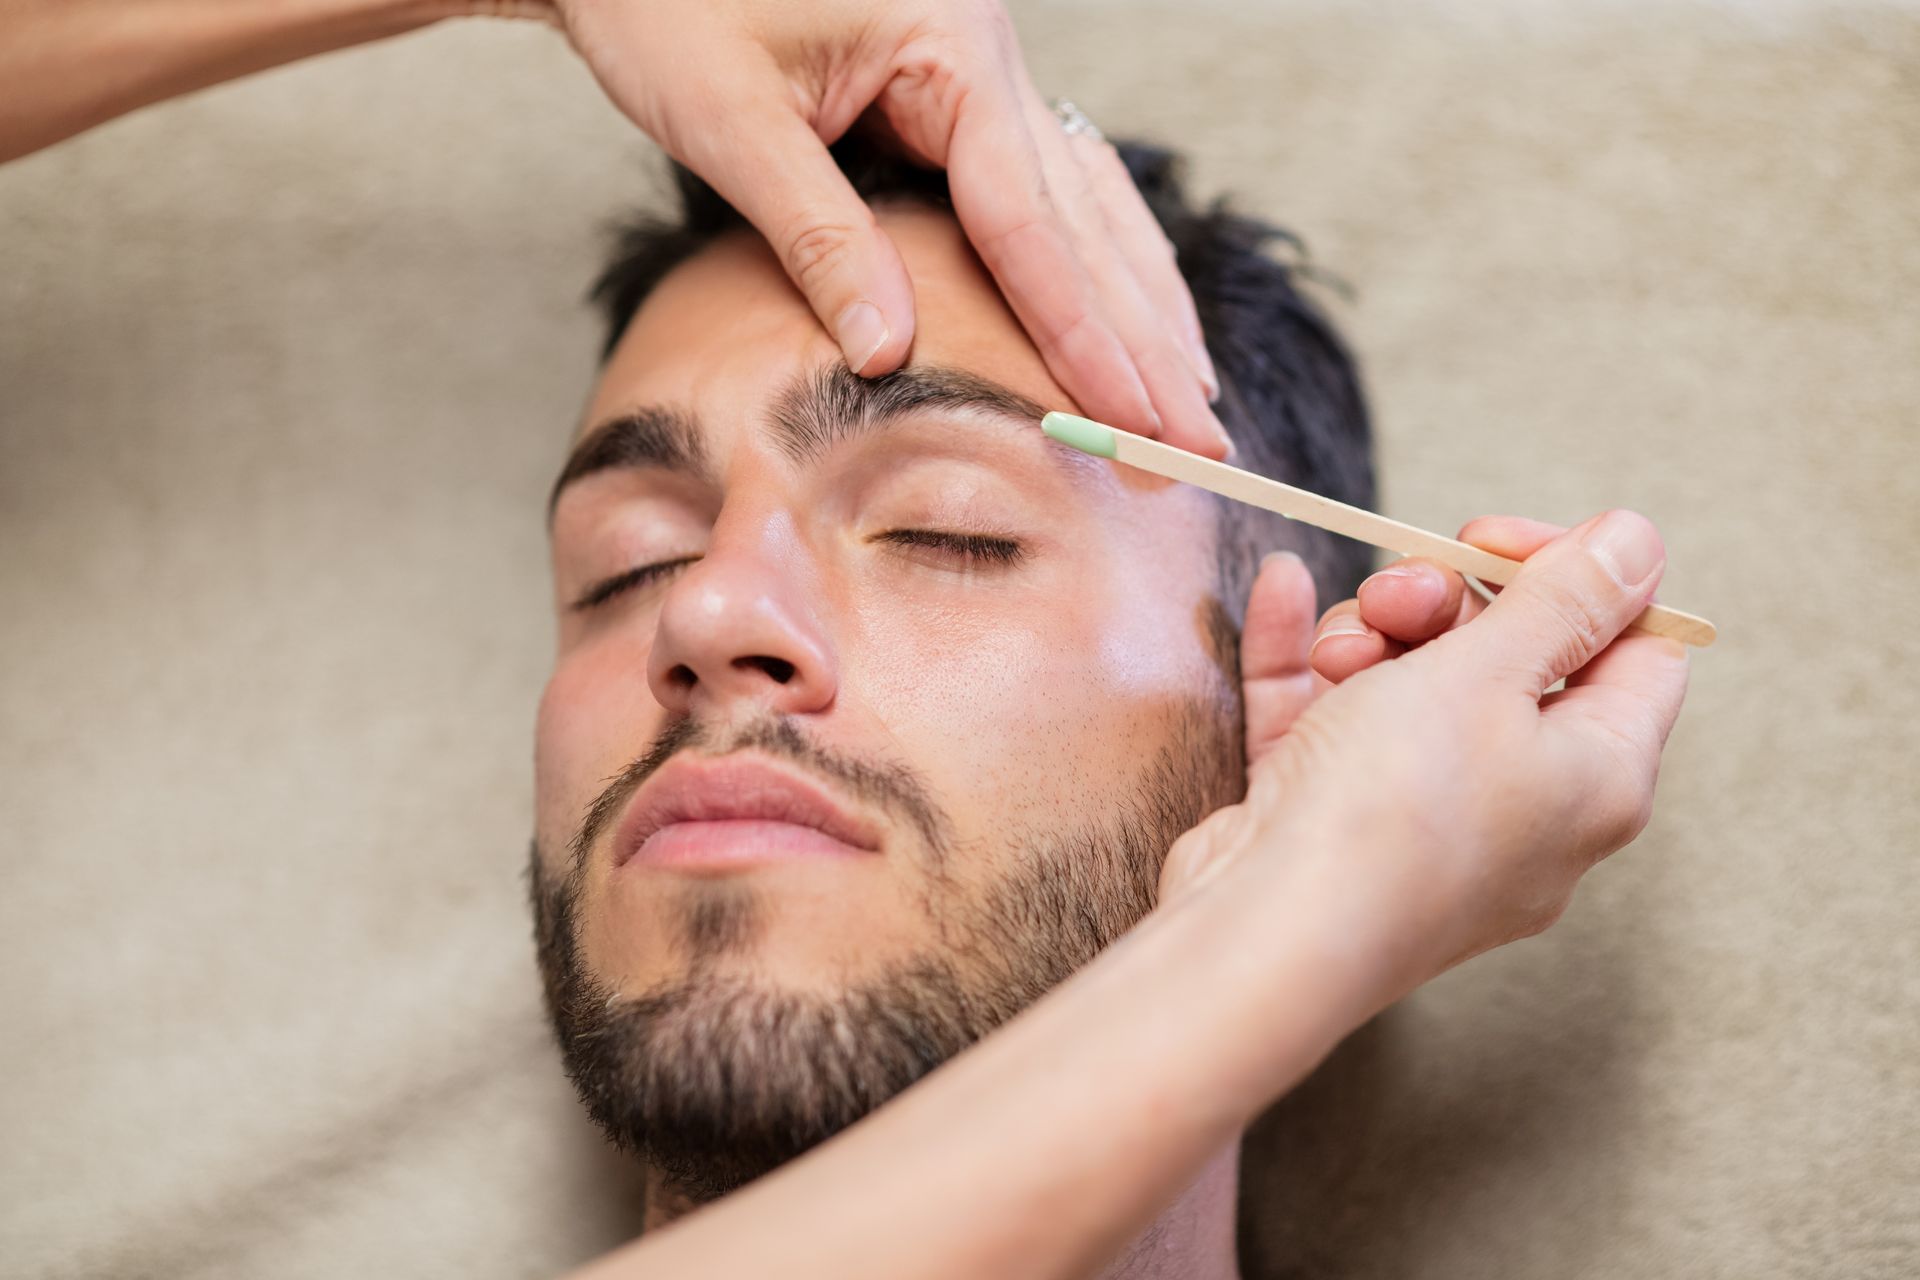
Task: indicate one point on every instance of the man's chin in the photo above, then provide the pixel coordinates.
(712, 1070)
(721, 1077)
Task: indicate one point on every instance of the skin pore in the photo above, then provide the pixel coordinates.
(1006, 658)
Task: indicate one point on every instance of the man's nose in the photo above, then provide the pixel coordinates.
(738, 626)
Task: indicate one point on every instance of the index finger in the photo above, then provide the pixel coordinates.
(777, 172)
(1001, 198)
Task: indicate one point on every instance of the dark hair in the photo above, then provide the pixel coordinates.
(1289, 392)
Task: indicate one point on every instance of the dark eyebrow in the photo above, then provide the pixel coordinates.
(832, 405)
(646, 437)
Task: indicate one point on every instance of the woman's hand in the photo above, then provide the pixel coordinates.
(1411, 601)
(1441, 800)
(749, 93)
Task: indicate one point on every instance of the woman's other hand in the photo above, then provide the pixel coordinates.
(1445, 798)
(750, 93)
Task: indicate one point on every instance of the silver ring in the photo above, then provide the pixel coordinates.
(1073, 120)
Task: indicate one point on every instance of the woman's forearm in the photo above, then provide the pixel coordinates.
(1042, 1150)
(71, 64)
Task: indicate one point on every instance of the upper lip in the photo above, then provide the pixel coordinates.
(737, 788)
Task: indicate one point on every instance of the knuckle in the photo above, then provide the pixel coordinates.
(936, 60)
(1641, 814)
(1635, 804)
(1576, 622)
(1636, 773)
(817, 251)
(1624, 816)
(983, 25)
(992, 18)
(1544, 916)
(1070, 334)
(1612, 828)
(1031, 231)
(1623, 824)
(1109, 169)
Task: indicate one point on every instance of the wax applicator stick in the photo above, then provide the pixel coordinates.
(1337, 517)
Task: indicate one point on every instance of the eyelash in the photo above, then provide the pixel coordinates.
(974, 548)
(601, 592)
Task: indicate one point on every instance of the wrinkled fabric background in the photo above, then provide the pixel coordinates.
(286, 367)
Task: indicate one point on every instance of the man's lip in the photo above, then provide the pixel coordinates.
(736, 789)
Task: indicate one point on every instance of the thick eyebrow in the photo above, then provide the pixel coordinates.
(832, 405)
(647, 437)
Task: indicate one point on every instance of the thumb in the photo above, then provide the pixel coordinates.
(1568, 602)
(770, 165)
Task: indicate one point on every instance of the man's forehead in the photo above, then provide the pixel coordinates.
(725, 334)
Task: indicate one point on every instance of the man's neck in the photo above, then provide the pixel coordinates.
(1192, 1239)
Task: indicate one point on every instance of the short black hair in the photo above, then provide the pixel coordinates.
(1290, 394)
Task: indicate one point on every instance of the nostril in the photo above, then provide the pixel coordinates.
(778, 669)
(682, 677)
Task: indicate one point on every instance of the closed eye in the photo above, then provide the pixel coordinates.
(972, 549)
(601, 592)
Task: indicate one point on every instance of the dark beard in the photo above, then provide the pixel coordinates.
(715, 1081)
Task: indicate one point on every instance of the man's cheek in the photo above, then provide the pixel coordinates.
(950, 676)
(596, 716)
(1014, 721)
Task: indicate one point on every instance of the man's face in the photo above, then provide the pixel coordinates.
(897, 741)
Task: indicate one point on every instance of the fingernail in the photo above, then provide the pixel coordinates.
(1343, 627)
(1408, 572)
(1198, 357)
(1336, 634)
(1626, 547)
(1209, 377)
(1271, 556)
(1220, 436)
(860, 331)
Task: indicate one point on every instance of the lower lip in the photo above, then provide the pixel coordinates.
(737, 842)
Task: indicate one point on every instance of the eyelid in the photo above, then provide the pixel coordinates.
(607, 588)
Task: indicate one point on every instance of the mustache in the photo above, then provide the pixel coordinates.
(891, 786)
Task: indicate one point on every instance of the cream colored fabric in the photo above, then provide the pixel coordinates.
(285, 369)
